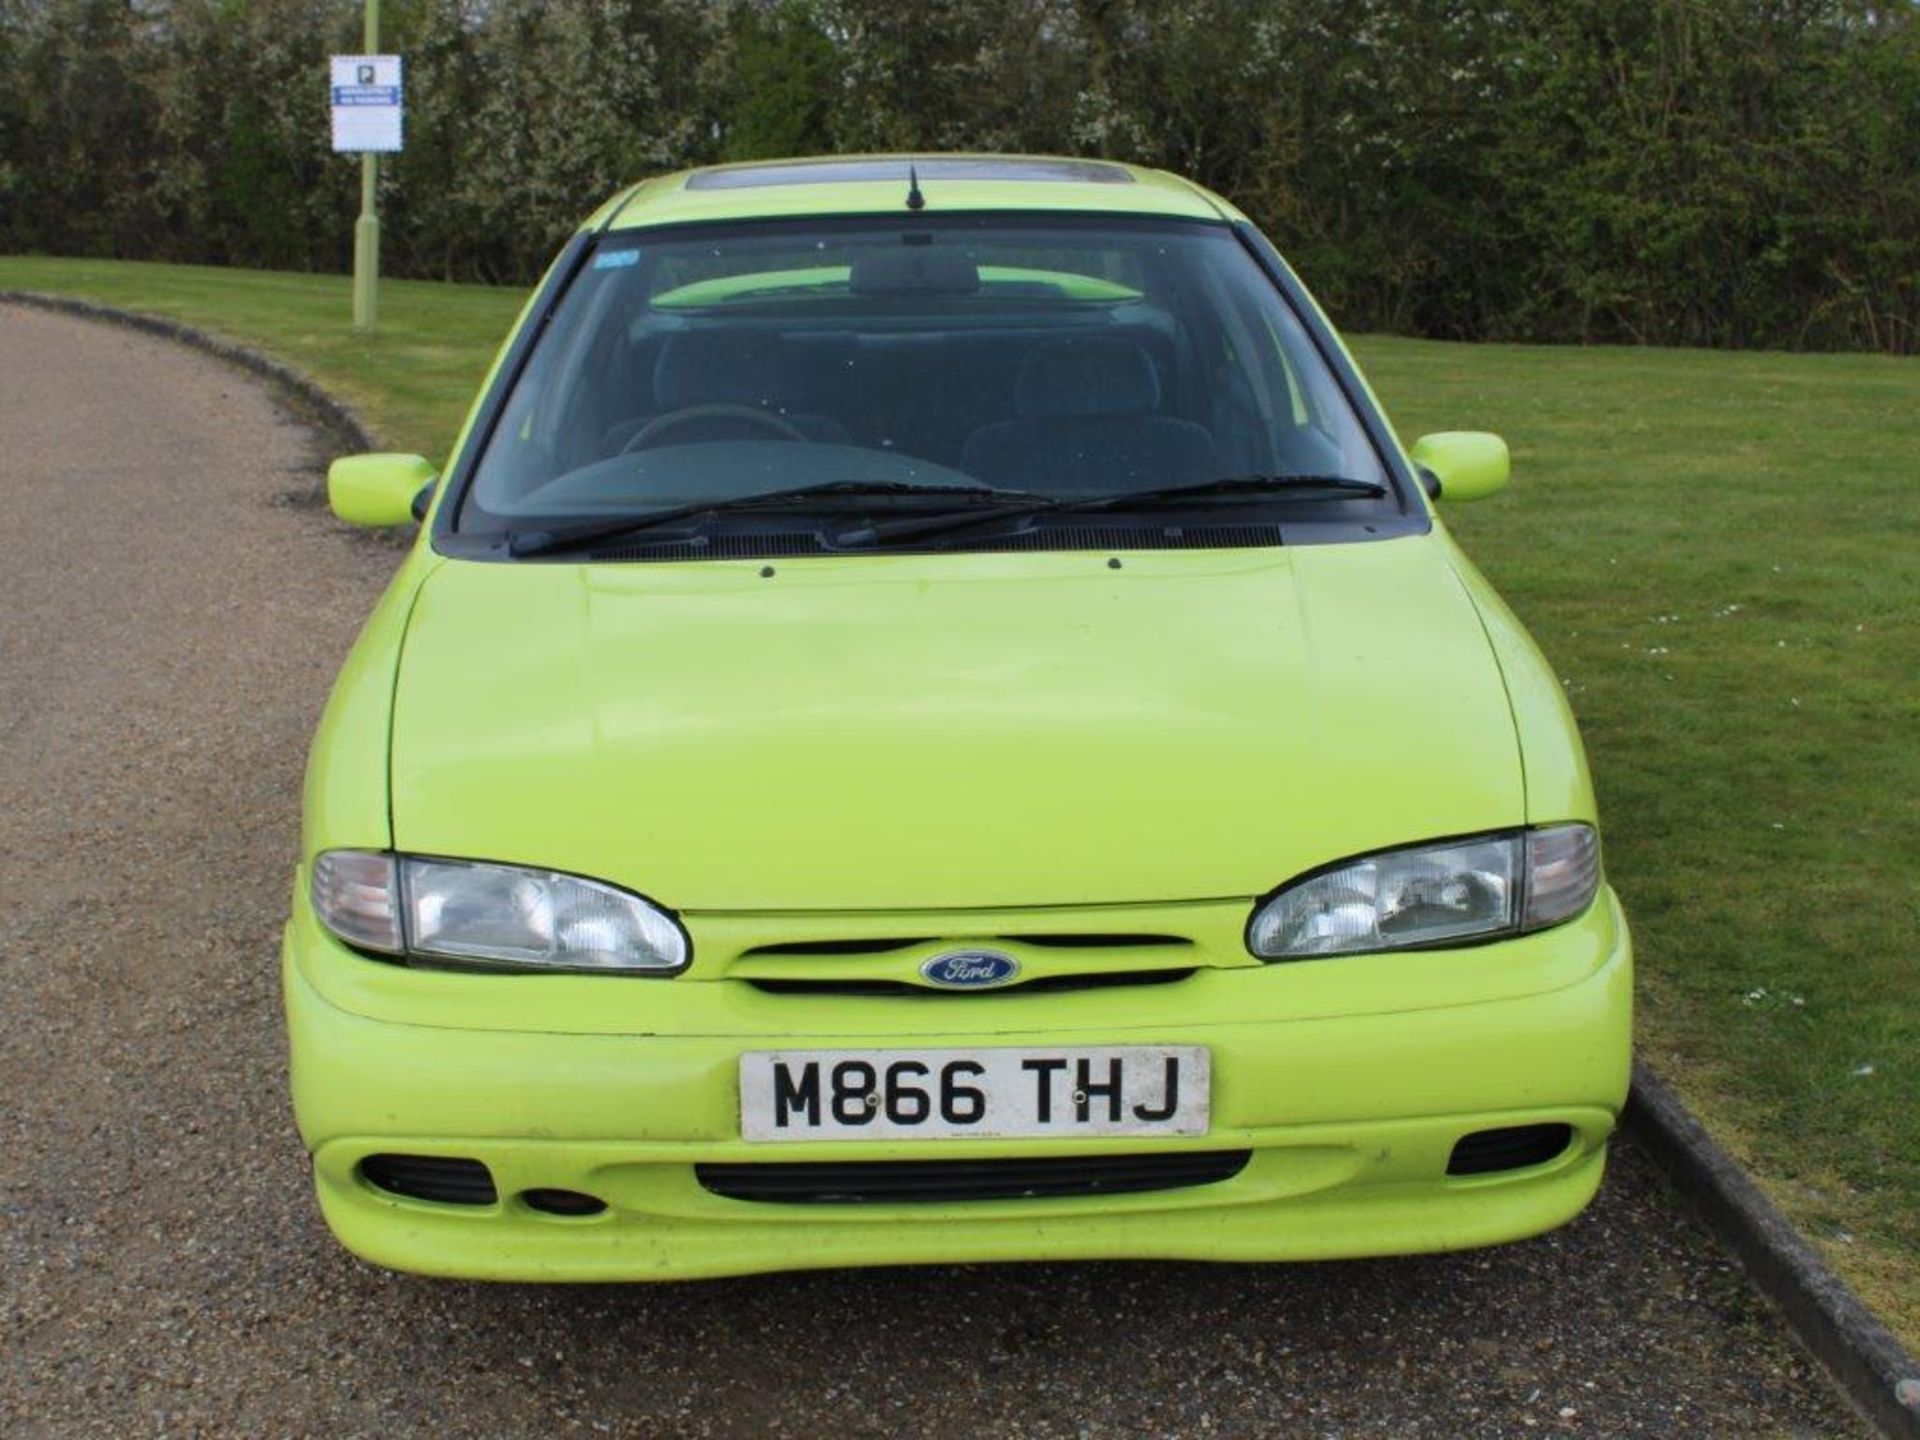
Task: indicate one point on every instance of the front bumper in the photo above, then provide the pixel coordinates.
(1350, 1119)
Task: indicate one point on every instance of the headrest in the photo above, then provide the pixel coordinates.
(722, 367)
(913, 270)
(1088, 375)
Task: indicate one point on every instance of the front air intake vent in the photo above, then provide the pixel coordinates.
(444, 1180)
(881, 945)
(897, 1182)
(1515, 1147)
(849, 946)
(1100, 940)
(1089, 980)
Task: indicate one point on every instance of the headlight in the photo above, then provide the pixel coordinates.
(501, 916)
(1462, 890)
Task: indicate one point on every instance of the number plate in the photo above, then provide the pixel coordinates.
(961, 1094)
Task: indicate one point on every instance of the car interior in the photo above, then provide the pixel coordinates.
(1086, 409)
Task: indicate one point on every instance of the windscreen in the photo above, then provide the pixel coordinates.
(1053, 356)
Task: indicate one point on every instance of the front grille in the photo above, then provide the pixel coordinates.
(1514, 1147)
(890, 1182)
(834, 947)
(1100, 940)
(881, 945)
(447, 1180)
(1093, 980)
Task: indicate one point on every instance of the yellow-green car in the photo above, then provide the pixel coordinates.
(931, 719)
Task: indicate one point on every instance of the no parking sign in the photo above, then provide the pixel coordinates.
(366, 103)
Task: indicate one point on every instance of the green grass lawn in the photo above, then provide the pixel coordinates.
(1721, 554)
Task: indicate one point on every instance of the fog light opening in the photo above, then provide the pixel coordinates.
(1512, 1147)
(571, 1204)
(442, 1179)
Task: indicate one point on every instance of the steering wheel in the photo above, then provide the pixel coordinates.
(650, 433)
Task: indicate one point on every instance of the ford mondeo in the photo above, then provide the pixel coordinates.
(930, 717)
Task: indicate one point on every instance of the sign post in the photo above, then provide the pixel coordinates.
(366, 118)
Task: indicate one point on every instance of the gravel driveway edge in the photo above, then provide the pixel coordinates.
(1872, 1369)
(338, 419)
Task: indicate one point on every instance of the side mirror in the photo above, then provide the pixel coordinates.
(1464, 464)
(378, 490)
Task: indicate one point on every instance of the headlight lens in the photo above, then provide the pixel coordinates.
(494, 915)
(1433, 895)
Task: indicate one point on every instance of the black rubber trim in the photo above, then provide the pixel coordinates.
(894, 1182)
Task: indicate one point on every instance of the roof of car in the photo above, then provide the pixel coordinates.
(879, 184)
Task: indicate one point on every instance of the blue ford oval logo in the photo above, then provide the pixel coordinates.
(970, 969)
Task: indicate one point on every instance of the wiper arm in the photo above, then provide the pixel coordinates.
(1021, 507)
(585, 537)
(919, 526)
(1332, 487)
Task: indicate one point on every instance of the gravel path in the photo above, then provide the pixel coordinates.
(174, 609)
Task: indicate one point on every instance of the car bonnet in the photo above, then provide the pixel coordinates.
(951, 730)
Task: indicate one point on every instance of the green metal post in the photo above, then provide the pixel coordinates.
(366, 230)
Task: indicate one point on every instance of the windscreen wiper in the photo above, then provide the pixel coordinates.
(1329, 487)
(1332, 487)
(585, 537)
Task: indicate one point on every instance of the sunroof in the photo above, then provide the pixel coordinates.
(933, 168)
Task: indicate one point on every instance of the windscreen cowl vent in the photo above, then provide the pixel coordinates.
(1131, 537)
(783, 544)
(771, 545)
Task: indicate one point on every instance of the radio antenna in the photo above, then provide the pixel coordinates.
(915, 200)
